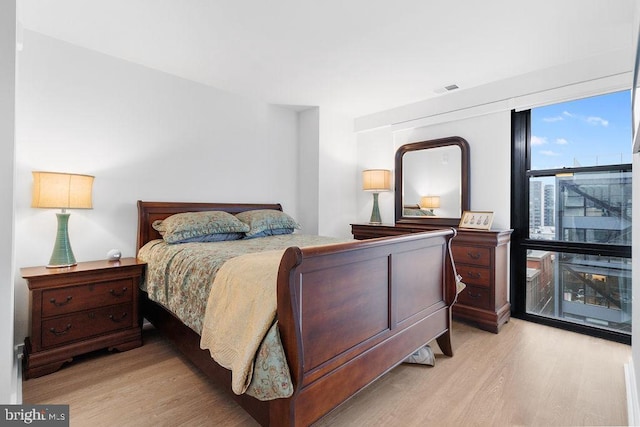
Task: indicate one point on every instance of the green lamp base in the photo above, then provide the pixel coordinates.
(375, 213)
(62, 255)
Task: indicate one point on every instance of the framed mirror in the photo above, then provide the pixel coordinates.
(432, 181)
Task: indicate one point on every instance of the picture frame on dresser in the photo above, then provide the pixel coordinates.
(477, 220)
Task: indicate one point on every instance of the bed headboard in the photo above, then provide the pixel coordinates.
(148, 212)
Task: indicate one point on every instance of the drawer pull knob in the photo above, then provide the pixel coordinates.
(60, 304)
(118, 294)
(472, 295)
(474, 255)
(62, 332)
(473, 275)
(116, 320)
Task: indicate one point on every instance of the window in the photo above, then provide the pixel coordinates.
(571, 251)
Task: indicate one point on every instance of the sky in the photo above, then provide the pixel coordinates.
(587, 132)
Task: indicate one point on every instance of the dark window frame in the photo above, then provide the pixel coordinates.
(520, 241)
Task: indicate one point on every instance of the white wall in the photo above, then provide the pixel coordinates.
(337, 174)
(375, 150)
(144, 135)
(308, 169)
(8, 386)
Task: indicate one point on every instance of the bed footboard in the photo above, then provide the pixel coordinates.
(348, 313)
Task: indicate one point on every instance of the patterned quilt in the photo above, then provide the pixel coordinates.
(180, 277)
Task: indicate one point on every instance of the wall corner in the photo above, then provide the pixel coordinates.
(633, 409)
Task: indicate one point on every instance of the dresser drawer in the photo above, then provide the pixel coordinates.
(476, 297)
(67, 300)
(476, 276)
(85, 324)
(471, 255)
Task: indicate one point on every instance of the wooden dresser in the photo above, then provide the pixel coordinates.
(74, 310)
(481, 259)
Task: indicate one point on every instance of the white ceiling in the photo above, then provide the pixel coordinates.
(358, 56)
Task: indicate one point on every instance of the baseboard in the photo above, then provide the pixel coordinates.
(633, 409)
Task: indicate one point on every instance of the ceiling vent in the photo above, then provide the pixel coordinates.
(446, 89)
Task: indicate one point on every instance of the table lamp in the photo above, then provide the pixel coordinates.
(430, 202)
(376, 180)
(61, 191)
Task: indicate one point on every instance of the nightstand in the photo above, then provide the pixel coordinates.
(75, 310)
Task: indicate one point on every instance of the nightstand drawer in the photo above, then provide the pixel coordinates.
(475, 297)
(70, 299)
(476, 276)
(85, 324)
(471, 255)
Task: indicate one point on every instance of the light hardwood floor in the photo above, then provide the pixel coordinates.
(527, 375)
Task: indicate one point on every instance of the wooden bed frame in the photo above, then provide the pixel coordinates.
(347, 313)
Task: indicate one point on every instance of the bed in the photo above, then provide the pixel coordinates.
(330, 358)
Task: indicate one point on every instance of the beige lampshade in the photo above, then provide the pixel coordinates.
(430, 202)
(376, 180)
(61, 190)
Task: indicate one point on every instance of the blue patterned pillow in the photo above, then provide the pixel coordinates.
(267, 222)
(217, 237)
(186, 226)
(270, 232)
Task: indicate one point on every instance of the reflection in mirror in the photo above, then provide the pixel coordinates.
(432, 173)
(432, 181)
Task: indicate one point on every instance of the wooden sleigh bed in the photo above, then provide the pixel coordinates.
(332, 357)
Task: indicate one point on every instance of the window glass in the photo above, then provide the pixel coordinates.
(592, 131)
(588, 289)
(586, 207)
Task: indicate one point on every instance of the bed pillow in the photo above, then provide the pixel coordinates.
(216, 237)
(271, 232)
(267, 222)
(184, 227)
(423, 356)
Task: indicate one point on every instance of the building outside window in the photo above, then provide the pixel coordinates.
(591, 208)
(549, 205)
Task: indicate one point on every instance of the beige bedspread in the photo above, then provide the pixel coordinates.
(240, 310)
(179, 277)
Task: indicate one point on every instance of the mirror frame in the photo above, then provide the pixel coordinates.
(464, 180)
